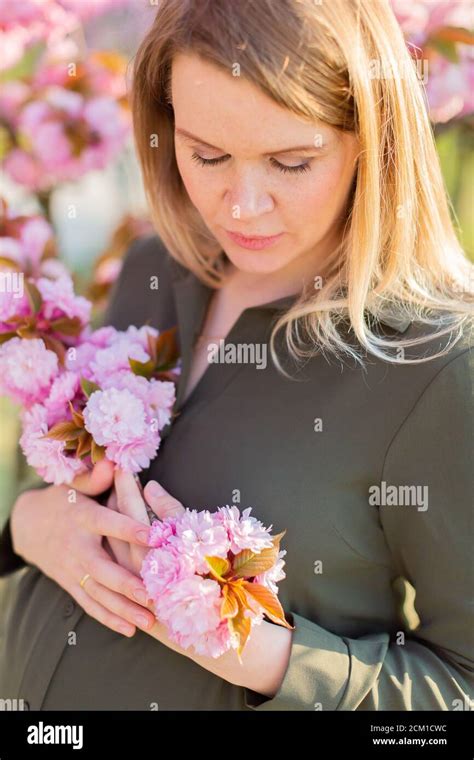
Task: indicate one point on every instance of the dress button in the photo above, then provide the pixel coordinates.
(69, 608)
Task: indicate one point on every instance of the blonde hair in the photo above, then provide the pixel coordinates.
(399, 250)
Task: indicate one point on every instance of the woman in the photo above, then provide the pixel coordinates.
(351, 433)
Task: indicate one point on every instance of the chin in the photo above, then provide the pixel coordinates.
(257, 262)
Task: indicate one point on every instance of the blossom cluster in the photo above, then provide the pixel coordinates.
(212, 576)
(84, 394)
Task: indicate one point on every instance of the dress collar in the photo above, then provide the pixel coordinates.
(192, 297)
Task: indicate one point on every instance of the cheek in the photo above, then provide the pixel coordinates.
(317, 199)
(201, 192)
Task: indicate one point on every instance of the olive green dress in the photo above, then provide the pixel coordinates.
(305, 454)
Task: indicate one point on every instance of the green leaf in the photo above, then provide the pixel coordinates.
(446, 48)
(218, 566)
(88, 387)
(34, 297)
(26, 66)
(143, 369)
(97, 452)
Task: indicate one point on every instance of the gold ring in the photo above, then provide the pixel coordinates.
(84, 580)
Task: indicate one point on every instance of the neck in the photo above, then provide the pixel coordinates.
(290, 280)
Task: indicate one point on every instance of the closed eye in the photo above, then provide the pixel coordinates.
(281, 167)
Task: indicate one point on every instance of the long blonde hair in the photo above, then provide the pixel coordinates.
(399, 250)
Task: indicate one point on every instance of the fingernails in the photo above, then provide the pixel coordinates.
(140, 596)
(155, 489)
(127, 630)
(142, 621)
(143, 536)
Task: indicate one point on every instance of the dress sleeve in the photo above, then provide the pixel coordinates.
(432, 666)
(9, 560)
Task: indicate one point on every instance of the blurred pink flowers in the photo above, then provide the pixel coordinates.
(59, 134)
(212, 576)
(64, 111)
(438, 31)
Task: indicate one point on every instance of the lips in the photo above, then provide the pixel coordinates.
(254, 237)
(253, 242)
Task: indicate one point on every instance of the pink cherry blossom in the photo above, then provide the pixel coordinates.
(198, 534)
(59, 298)
(12, 302)
(135, 455)
(66, 134)
(191, 608)
(276, 573)
(46, 455)
(114, 416)
(64, 388)
(186, 596)
(114, 358)
(245, 532)
(161, 530)
(117, 419)
(164, 567)
(28, 370)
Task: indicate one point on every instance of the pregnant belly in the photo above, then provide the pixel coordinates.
(55, 657)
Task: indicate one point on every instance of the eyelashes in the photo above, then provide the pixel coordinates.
(281, 167)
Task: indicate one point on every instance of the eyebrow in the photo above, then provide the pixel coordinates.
(293, 149)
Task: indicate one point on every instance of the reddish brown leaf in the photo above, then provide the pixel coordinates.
(7, 336)
(84, 443)
(67, 326)
(55, 345)
(6, 262)
(240, 626)
(63, 431)
(77, 417)
(230, 603)
(269, 602)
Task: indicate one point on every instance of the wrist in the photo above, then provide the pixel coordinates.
(271, 656)
(16, 521)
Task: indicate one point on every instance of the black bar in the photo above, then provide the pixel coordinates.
(117, 734)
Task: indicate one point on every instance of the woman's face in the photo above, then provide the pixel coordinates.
(240, 157)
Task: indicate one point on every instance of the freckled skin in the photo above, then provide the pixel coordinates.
(242, 122)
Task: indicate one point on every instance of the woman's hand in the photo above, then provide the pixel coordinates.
(126, 498)
(266, 654)
(63, 538)
(95, 481)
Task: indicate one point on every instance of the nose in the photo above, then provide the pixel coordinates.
(248, 196)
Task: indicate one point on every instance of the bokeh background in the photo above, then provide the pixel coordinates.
(67, 152)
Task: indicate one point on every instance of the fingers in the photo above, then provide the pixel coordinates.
(102, 615)
(117, 579)
(161, 502)
(129, 498)
(97, 480)
(119, 551)
(103, 521)
(114, 589)
(112, 500)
